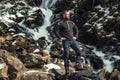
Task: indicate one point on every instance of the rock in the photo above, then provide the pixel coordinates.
(104, 74)
(42, 43)
(83, 66)
(17, 76)
(116, 65)
(56, 50)
(96, 62)
(34, 2)
(115, 75)
(83, 73)
(117, 28)
(4, 54)
(32, 60)
(37, 75)
(35, 19)
(2, 40)
(3, 70)
(15, 65)
(58, 73)
(45, 55)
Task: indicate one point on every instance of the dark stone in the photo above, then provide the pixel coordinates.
(37, 76)
(34, 2)
(32, 60)
(84, 73)
(117, 30)
(116, 65)
(35, 20)
(96, 62)
(42, 43)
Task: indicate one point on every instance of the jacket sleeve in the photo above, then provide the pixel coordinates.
(57, 30)
(75, 29)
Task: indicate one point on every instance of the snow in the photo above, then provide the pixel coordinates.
(2, 65)
(19, 14)
(99, 25)
(51, 66)
(36, 50)
(8, 5)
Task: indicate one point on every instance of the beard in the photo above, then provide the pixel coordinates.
(66, 18)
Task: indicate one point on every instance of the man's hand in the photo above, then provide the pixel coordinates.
(74, 38)
(62, 38)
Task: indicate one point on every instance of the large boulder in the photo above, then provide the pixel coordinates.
(96, 62)
(115, 75)
(37, 75)
(3, 71)
(104, 74)
(35, 19)
(34, 2)
(14, 64)
(83, 75)
(116, 65)
(32, 60)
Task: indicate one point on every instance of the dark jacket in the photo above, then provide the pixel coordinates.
(67, 29)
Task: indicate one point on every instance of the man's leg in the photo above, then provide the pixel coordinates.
(76, 47)
(66, 45)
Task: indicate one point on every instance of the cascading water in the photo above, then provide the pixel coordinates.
(47, 12)
(106, 61)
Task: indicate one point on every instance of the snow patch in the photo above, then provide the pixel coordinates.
(51, 66)
(2, 65)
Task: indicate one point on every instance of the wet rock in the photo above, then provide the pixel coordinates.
(34, 2)
(15, 65)
(108, 26)
(32, 60)
(56, 50)
(3, 71)
(115, 75)
(104, 74)
(36, 75)
(60, 73)
(45, 55)
(17, 76)
(35, 19)
(116, 65)
(117, 33)
(96, 62)
(84, 66)
(2, 40)
(82, 74)
(42, 43)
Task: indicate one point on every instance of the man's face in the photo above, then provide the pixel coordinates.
(66, 15)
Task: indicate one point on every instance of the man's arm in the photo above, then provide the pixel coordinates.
(75, 30)
(57, 30)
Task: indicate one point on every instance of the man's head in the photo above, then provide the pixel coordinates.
(66, 15)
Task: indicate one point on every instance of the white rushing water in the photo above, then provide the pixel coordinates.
(107, 62)
(48, 14)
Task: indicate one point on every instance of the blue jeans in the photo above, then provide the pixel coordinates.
(73, 44)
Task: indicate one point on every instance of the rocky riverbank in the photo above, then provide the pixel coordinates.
(24, 58)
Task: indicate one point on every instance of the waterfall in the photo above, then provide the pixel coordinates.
(107, 62)
(47, 13)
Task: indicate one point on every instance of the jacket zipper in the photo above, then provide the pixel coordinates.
(68, 26)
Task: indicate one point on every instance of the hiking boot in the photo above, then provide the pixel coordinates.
(78, 66)
(67, 72)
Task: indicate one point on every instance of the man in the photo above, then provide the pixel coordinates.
(67, 32)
